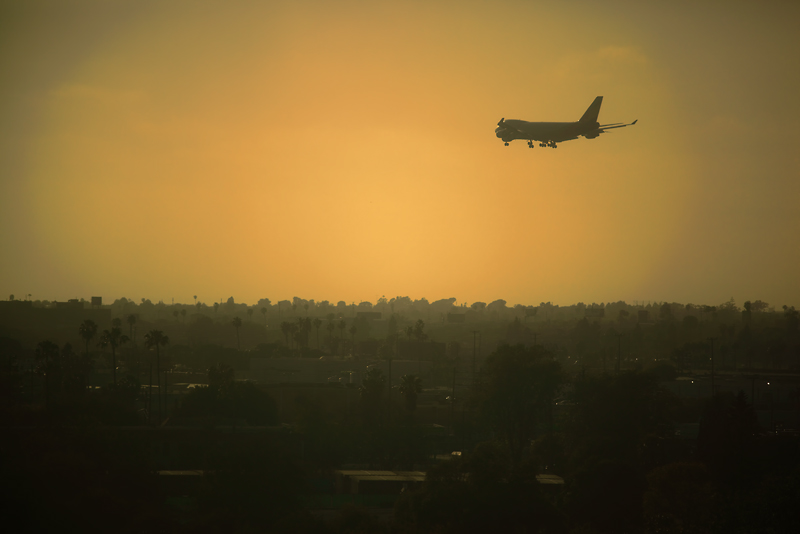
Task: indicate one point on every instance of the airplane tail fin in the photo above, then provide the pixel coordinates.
(593, 111)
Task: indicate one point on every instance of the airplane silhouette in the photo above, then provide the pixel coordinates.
(551, 133)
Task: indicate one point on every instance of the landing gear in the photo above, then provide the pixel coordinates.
(530, 144)
(542, 145)
(506, 144)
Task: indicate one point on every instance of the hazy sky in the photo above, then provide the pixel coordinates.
(346, 150)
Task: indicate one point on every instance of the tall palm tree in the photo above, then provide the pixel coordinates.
(264, 313)
(250, 313)
(87, 331)
(285, 326)
(353, 331)
(131, 321)
(47, 351)
(237, 323)
(410, 387)
(306, 328)
(113, 338)
(293, 333)
(156, 338)
(330, 327)
(183, 314)
(342, 326)
(317, 324)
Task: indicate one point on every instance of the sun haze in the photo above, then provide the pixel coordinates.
(346, 151)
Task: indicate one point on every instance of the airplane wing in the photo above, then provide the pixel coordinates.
(617, 125)
(602, 129)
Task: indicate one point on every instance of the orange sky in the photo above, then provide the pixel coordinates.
(346, 150)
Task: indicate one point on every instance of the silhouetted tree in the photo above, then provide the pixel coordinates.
(371, 391)
(410, 387)
(317, 324)
(250, 313)
(48, 352)
(286, 329)
(519, 386)
(87, 330)
(237, 323)
(156, 339)
(419, 330)
(330, 327)
(391, 328)
(216, 307)
(264, 313)
(131, 319)
(113, 338)
(353, 331)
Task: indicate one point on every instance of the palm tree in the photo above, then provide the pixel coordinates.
(409, 332)
(285, 325)
(353, 331)
(306, 328)
(156, 338)
(195, 300)
(87, 330)
(175, 313)
(250, 313)
(317, 324)
(293, 334)
(264, 313)
(342, 326)
(410, 387)
(113, 338)
(237, 323)
(47, 350)
(183, 314)
(331, 327)
(131, 321)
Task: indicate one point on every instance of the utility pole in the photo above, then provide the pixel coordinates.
(474, 346)
(711, 339)
(453, 399)
(389, 418)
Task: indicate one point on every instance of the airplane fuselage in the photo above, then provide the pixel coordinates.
(544, 132)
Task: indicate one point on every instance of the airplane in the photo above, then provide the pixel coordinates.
(551, 133)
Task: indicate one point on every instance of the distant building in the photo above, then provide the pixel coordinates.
(71, 304)
(421, 350)
(596, 313)
(456, 317)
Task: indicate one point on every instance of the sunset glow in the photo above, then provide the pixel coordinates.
(347, 151)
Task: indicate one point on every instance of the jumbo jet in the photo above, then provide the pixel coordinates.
(551, 133)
